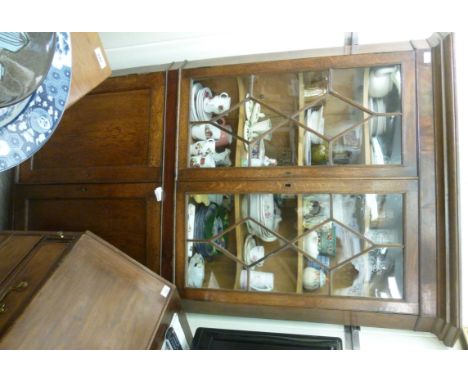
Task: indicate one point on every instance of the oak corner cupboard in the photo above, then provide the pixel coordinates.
(310, 189)
(320, 188)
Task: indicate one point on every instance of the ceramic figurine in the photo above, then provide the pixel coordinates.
(196, 271)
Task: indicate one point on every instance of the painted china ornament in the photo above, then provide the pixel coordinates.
(313, 278)
(196, 271)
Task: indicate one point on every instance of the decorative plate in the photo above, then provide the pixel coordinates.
(193, 108)
(23, 136)
(203, 94)
(25, 59)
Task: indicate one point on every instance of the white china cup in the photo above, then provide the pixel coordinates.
(259, 281)
(223, 158)
(381, 82)
(202, 161)
(203, 147)
(313, 278)
(218, 104)
(256, 253)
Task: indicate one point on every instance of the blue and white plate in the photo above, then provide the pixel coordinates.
(26, 127)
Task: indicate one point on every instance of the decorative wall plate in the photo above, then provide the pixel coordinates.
(23, 136)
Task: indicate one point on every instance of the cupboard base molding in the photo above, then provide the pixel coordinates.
(445, 331)
(328, 316)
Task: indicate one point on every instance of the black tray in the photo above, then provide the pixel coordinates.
(223, 339)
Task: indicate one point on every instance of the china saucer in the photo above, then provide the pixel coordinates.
(203, 94)
(193, 110)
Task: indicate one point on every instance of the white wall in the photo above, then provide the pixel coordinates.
(130, 50)
(370, 338)
(133, 50)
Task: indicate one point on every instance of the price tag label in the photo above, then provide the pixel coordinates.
(100, 58)
(427, 57)
(165, 291)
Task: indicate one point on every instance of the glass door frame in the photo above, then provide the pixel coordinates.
(408, 305)
(408, 168)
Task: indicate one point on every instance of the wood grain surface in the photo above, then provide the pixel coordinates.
(86, 70)
(98, 298)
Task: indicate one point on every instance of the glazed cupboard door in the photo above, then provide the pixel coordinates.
(334, 117)
(309, 244)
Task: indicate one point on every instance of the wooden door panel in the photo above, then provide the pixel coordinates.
(112, 135)
(125, 215)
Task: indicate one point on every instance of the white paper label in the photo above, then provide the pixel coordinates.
(427, 57)
(100, 57)
(165, 291)
(158, 193)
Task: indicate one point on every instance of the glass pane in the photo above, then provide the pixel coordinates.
(293, 119)
(313, 209)
(217, 271)
(295, 241)
(378, 217)
(265, 217)
(215, 100)
(378, 89)
(312, 85)
(275, 273)
(212, 97)
(338, 116)
(331, 119)
(385, 140)
(279, 91)
(376, 142)
(270, 138)
(333, 243)
(314, 276)
(361, 84)
(376, 274)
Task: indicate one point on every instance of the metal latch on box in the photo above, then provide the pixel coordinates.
(159, 193)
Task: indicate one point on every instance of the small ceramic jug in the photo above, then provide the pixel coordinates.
(218, 104)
